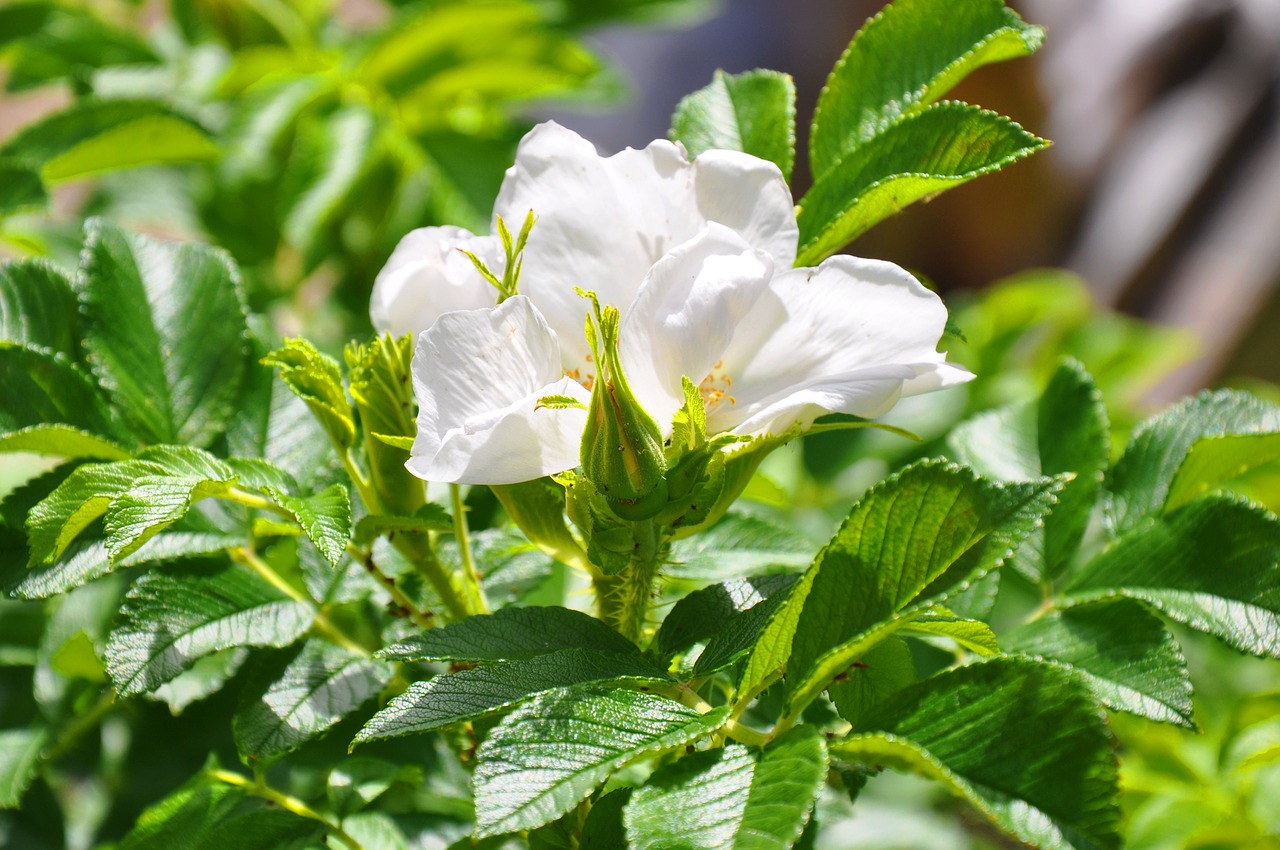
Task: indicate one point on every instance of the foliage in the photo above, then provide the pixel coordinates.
(226, 531)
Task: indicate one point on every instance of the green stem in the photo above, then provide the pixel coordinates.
(736, 730)
(259, 788)
(363, 488)
(470, 579)
(622, 600)
(248, 557)
(403, 602)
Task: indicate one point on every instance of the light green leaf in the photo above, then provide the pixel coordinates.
(737, 546)
(1065, 431)
(171, 618)
(511, 634)
(171, 383)
(703, 613)
(973, 635)
(733, 798)
(19, 754)
(1213, 461)
(153, 503)
(348, 148)
(754, 111)
(92, 136)
(43, 388)
(468, 694)
(370, 528)
(902, 60)
(260, 122)
(1123, 652)
(325, 517)
(1141, 479)
(550, 753)
(316, 378)
(182, 820)
(87, 560)
(1213, 564)
(918, 536)
(319, 688)
(21, 189)
(1021, 742)
(38, 307)
(923, 154)
(58, 440)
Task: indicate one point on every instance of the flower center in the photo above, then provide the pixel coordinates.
(714, 388)
(588, 380)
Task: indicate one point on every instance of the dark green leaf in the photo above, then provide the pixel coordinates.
(703, 613)
(920, 535)
(737, 546)
(320, 687)
(885, 669)
(21, 188)
(172, 382)
(43, 388)
(263, 829)
(511, 634)
(370, 528)
(925, 153)
(172, 618)
(550, 753)
(1066, 431)
(1141, 479)
(92, 136)
(733, 798)
(325, 517)
(1213, 564)
(204, 678)
(743, 633)
(67, 42)
(1022, 742)
(754, 111)
(468, 694)
(38, 307)
(183, 819)
(19, 755)
(1123, 652)
(604, 828)
(905, 58)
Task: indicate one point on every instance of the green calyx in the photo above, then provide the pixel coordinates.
(622, 448)
(513, 249)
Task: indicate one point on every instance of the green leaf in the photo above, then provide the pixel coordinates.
(38, 307)
(703, 613)
(21, 189)
(1021, 742)
(925, 153)
(1123, 652)
(468, 694)
(42, 389)
(1213, 564)
(381, 384)
(171, 382)
(733, 798)
(181, 820)
(19, 755)
(204, 678)
(260, 122)
(884, 670)
(746, 632)
(921, 534)
(737, 546)
(974, 635)
(348, 148)
(371, 527)
(93, 136)
(58, 440)
(68, 43)
(88, 560)
(171, 618)
(154, 502)
(316, 378)
(1141, 479)
(754, 111)
(550, 753)
(325, 517)
(511, 634)
(902, 60)
(1213, 461)
(320, 687)
(604, 827)
(1065, 431)
(263, 829)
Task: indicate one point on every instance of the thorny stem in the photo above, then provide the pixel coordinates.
(259, 788)
(622, 600)
(398, 597)
(248, 557)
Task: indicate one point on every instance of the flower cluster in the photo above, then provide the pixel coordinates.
(696, 257)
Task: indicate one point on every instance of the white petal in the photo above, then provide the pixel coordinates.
(428, 275)
(478, 376)
(685, 315)
(602, 222)
(850, 336)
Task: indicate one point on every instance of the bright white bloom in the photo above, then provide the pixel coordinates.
(697, 257)
(428, 275)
